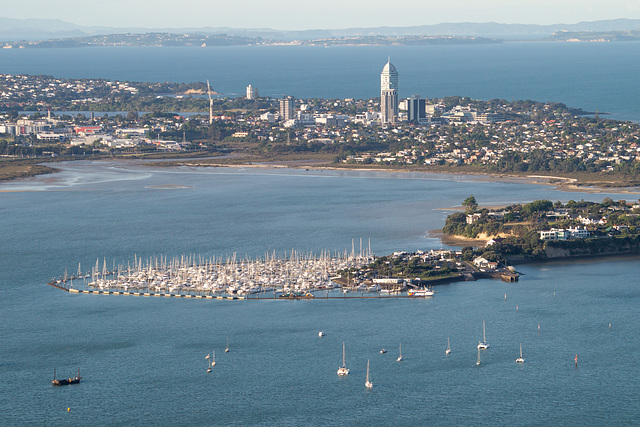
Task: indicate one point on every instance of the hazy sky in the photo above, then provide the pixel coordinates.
(310, 14)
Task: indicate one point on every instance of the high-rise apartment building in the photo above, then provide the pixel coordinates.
(287, 110)
(252, 92)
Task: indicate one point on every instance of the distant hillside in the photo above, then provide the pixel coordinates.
(147, 39)
(46, 29)
(596, 36)
(203, 40)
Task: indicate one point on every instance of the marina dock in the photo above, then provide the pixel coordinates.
(255, 297)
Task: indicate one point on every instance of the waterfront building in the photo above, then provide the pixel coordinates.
(287, 110)
(252, 92)
(389, 93)
(564, 234)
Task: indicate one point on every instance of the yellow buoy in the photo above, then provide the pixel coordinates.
(68, 409)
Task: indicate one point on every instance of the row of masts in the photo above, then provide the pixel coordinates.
(295, 271)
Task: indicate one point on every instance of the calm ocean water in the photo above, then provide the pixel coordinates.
(592, 76)
(143, 358)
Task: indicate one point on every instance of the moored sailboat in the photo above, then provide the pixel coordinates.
(342, 371)
(483, 344)
(520, 359)
(66, 381)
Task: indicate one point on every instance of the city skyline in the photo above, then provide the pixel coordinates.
(328, 14)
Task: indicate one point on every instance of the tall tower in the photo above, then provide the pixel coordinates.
(210, 103)
(389, 93)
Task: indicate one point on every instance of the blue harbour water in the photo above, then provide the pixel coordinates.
(142, 359)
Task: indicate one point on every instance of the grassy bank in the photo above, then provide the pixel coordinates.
(22, 169)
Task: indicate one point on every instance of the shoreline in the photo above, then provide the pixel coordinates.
(576, 258)
(458, 241)
(558, 182)
(566, 184)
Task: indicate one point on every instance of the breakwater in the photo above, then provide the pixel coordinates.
(256, 297)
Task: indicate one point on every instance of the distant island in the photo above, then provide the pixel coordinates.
(549, 142)
(204, 40)
(595, 36)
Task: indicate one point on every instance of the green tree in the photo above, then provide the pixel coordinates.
(470, 203)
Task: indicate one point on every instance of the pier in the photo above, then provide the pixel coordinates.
(255, 297)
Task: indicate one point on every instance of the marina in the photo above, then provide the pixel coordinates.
(191, 276)
(295, 277)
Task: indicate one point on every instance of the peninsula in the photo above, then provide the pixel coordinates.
(453, 134)
(158, 39)
(534, 232)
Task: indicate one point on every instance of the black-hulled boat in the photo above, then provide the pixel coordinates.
(66, 381)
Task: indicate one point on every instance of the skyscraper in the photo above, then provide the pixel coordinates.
(389, 93)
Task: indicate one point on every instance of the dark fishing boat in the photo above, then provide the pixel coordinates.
(66, 381)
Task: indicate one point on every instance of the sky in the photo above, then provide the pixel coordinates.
(315, 14)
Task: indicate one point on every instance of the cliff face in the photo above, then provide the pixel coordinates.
(593, 247)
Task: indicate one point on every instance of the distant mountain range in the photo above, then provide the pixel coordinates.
(47, 29)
